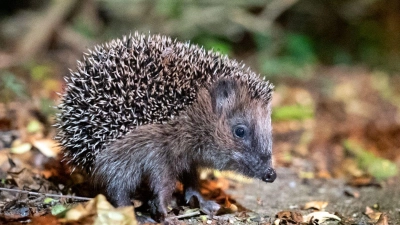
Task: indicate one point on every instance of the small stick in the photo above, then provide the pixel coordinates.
(47, 195)
(186, 215)
(40, 33)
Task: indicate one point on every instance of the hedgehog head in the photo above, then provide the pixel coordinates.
(234, 128)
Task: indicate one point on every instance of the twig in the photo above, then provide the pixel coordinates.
(47, 195)
(265, 20)
(186, 215)
(275, 8)
(41, 32)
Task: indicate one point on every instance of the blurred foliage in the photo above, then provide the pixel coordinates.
(275, 37)
(294, 56)
(285, 37)
(40, 72)
(231, 27)
(382, 83)
(292, 112)
(215, 43)
(47, 107)
(378, 167)
(40, 86)
(11, 88)
(33, 126)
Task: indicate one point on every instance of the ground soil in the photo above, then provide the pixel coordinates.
(289, 192)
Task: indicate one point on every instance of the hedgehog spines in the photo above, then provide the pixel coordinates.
(134, 81)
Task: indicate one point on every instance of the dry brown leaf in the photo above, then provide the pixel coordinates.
(318, 205)
(103, 211)
(364, 180)
(288, 217)
(47, 147)
(25, 179)
(383, 220)
(368, 210)
(324, 174)
(44, 220)
(350, 166)
(372, 214)
(232, 207)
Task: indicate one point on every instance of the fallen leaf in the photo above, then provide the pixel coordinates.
(289, 217)
(58, 209)
(383, 220)
(319, 217)
(20, 148)
(122, 216)
(228, 206)
(34, 126)
(25, 179)
(324, 174)
(368, 210)
(318, 205)
(48, 200)
(103, 212)
(75, 213)
(372, 214)
(365, 180)
(306, 175)
(233, 208)
(47, 147)
(277, 221)
(44, 220)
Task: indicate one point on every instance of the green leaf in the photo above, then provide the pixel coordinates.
(34, 126)
(58, 210)
(48, 200)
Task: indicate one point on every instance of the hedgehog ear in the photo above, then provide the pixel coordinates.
(221, 94)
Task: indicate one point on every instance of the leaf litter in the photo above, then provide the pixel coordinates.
(29, 161)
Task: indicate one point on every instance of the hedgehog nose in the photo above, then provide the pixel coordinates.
(269, 176)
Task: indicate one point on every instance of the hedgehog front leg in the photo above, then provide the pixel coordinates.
(163, 190)
(119, 198)
(191, 184)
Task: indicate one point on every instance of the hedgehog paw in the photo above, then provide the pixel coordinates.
(209, 207)
(144, 219)
(206, 206)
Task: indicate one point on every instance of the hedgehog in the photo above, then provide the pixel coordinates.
(147, 111)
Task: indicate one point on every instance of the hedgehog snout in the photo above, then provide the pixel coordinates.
(269, 175)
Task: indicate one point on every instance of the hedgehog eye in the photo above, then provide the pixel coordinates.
(240, 131)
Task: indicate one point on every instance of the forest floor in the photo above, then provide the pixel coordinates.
(354, 205)
(336, 153)
(336, 138)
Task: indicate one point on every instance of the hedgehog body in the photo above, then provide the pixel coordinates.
(150, 109)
